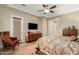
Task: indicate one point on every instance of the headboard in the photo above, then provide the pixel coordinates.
(69, 32)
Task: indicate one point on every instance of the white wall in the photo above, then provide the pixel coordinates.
(66, 20)
(6, 12)
(39, 22)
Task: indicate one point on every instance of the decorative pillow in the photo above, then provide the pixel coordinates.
(6, 37)
(69, 38)
(73, 38)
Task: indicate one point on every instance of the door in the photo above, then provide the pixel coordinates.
(17, 27)
(44, 27)
(53, 27)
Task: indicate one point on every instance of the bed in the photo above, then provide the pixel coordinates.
(59, 45)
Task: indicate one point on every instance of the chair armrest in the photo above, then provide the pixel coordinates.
(13, 38)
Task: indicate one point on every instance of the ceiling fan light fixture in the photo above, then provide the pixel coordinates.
(46, 11)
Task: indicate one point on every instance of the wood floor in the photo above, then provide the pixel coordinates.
(23, 49)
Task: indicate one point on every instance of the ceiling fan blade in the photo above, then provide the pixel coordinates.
(51, 11)
(52, 7)
(40, 10)
(44, 5)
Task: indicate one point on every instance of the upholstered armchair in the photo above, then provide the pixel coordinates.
(9, 42)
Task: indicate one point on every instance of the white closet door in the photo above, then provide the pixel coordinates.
(52, 27)
(44, 27)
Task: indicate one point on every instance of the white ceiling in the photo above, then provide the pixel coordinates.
(59, 10)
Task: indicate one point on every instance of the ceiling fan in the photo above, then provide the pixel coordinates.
(47, 9)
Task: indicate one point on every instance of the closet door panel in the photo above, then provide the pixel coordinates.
(51, 27)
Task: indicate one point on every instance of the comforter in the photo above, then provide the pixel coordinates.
(58, 45)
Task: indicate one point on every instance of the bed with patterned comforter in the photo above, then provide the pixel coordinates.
(58, 45)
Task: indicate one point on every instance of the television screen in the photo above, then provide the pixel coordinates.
(32, 26)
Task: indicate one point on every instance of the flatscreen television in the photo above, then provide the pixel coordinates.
(32, 26)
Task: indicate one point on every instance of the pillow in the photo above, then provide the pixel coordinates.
(6, 37)
(70, 38)
(73, 38)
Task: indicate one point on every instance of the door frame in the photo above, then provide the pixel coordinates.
(11, 26)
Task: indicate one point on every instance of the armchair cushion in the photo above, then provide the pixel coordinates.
(7, 43)
(10, 42)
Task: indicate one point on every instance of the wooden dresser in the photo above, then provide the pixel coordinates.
(33, 36)
(70, 32)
